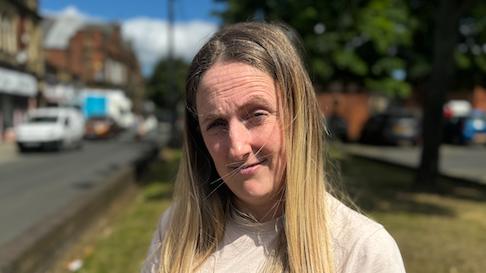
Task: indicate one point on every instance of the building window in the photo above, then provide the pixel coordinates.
(3, 33)
(13, 36)
(8, 34)
(115, 72)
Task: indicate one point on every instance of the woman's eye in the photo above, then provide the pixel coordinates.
(216, 124)
(258, 116)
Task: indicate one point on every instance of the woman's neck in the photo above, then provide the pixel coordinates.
(262, 213)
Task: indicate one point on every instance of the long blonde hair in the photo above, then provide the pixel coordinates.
(200, 208)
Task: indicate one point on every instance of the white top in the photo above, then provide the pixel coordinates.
(359, 245)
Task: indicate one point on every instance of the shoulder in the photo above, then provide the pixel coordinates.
(152, 260)
(361, 244)
(164, 222)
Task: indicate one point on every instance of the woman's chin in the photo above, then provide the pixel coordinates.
(255, 195)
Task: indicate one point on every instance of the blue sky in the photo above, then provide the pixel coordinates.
(115, 10)
(144, 23)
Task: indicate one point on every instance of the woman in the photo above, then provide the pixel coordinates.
(251, 192)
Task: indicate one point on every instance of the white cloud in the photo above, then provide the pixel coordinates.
(72, 12)
(67, 22)
(150, 40)
(147, 35)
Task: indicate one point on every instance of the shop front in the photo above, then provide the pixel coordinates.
(62, 95)
(18, 92)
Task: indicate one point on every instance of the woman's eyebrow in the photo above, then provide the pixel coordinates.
(257, 100)
(205, 118)
(251, 102)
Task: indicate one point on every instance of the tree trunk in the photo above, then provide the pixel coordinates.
(445, 41)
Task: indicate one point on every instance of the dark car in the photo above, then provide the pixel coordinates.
(99, 127)
(391, 128)
(469, 129)
(338, 128)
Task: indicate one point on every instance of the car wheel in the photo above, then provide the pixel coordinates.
(22, 149)
(80, 144)
(56, 146)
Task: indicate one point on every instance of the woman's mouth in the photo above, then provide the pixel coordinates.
(248, 169)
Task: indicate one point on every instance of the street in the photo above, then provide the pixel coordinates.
(34, 186)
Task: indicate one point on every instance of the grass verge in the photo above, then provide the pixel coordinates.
(435, 232)
(443, 232)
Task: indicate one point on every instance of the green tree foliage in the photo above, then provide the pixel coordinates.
(166, 84)
(469, 52)
(350, 41)
(166, 89)
(383, 45)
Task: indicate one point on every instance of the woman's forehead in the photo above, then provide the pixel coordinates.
(231, 72)
(235, 83)
(208, 108)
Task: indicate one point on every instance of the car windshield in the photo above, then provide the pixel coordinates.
(43, 119)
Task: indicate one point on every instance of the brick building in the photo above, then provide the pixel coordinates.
(94, 55)
(21, 62)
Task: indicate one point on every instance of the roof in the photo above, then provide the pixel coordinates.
(58, 31)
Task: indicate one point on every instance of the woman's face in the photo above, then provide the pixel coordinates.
(238, 112)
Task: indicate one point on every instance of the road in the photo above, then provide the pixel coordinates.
(35, 186)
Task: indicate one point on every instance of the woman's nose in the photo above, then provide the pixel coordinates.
(239, 141)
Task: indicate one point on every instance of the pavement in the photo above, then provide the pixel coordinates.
(8, 152)
(466, 163)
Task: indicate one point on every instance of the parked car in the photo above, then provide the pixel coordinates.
(391, 128)
(52, 127)
(338, 128)
(101, 127)
(467, 129)
(457, 108)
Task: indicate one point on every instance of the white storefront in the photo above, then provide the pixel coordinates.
(17, 94)
(62, 94)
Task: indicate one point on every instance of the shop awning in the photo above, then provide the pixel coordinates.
(17, 83)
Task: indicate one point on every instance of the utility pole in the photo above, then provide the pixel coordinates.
(170, 31)
(174, 132)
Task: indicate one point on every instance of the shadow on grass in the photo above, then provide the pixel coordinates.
(398, 202)
(379, 187)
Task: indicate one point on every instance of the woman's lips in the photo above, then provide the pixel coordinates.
(250, 168)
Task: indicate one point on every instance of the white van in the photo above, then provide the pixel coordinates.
(54, 128)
